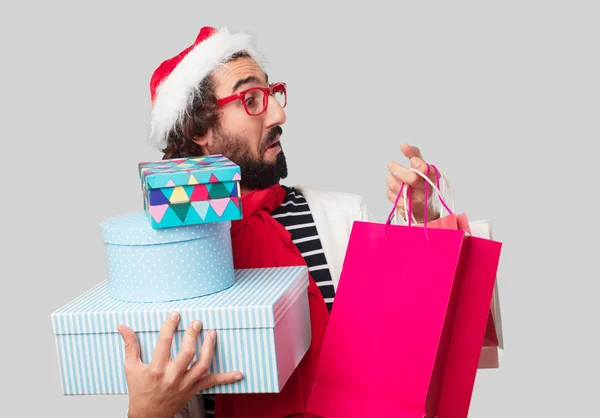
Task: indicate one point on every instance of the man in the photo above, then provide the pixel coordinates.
(215, 97)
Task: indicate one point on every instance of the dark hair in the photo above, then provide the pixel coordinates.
(199, 118)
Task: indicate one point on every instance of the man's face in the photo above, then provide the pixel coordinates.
(252, 142)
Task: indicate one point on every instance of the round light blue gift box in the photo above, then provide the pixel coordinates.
(158, 265)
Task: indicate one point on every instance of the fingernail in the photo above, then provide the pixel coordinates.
(196, 325)
(212, 333)
(239, 377)
(174, 316)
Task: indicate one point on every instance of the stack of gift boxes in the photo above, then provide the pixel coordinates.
(175, 254)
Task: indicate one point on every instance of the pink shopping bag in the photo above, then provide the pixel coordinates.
(474, 327)
(493, 339)
(389, 334)
(479, 277)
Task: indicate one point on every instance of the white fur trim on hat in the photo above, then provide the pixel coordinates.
(175, 94)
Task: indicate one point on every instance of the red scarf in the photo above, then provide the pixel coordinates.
(259, 241)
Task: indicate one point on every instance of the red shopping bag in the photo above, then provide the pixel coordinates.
(389, 334)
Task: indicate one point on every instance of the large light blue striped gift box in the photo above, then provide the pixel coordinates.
(262, 321)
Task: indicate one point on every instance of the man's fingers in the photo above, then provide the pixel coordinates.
(410, 151)
(416, 161)
(132, 346)
(418, 164)
(393, 184)
(207, 352)
(188, 346)
(421, 166)
(417, 196)
(403, 174)
(392, 198)
(211, 380)
(162, 351)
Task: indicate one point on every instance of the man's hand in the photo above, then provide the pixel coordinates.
(163, 387)
(400, 174)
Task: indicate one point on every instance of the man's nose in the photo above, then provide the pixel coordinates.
(276, 114)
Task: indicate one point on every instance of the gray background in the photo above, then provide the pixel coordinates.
(503, 96)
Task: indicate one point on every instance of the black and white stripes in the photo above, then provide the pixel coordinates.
(294, 214)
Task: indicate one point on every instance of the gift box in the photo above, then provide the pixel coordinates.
(156, 265)
(262, 322)
(188, 191)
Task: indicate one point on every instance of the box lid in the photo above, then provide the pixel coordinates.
(258, 299)
(188, 171)
(134, 228)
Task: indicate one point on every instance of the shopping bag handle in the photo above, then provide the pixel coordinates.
(436, 187)
(446, 186)
(408, 196)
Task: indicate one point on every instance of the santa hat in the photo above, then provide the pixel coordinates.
(176, 80)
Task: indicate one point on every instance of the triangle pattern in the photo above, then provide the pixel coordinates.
(218, 191)
(179, 195)
(193, 217)
(200, 192)
(188, 190)
(236, 177)
(170, 183)
(201, 208)
(181, 210)
(232, 211)
(230, 185)
(158, 198)
(235, 191)
(157, 212)
(219, 205)
(235, 201)
(167, 192)
(170, 218)
(192, 180)
(213, 179)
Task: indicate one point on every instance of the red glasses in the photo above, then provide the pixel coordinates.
(256, 99)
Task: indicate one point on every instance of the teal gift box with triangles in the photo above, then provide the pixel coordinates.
(190, 191)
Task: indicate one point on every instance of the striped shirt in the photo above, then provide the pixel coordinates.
(294, 214)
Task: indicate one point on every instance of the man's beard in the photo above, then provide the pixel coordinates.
(255, 174)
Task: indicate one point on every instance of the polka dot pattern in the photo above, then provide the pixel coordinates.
(147, 265)
(135, 229)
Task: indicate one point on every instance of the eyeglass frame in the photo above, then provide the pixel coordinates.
(267, 91)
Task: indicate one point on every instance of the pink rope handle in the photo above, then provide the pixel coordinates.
(409, 208)
(389, 218)
(409, 201)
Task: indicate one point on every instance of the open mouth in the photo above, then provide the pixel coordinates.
(275, 143)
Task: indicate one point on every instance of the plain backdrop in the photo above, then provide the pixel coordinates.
(503, 96)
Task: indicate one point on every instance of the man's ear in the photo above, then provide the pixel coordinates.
(205, 140)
